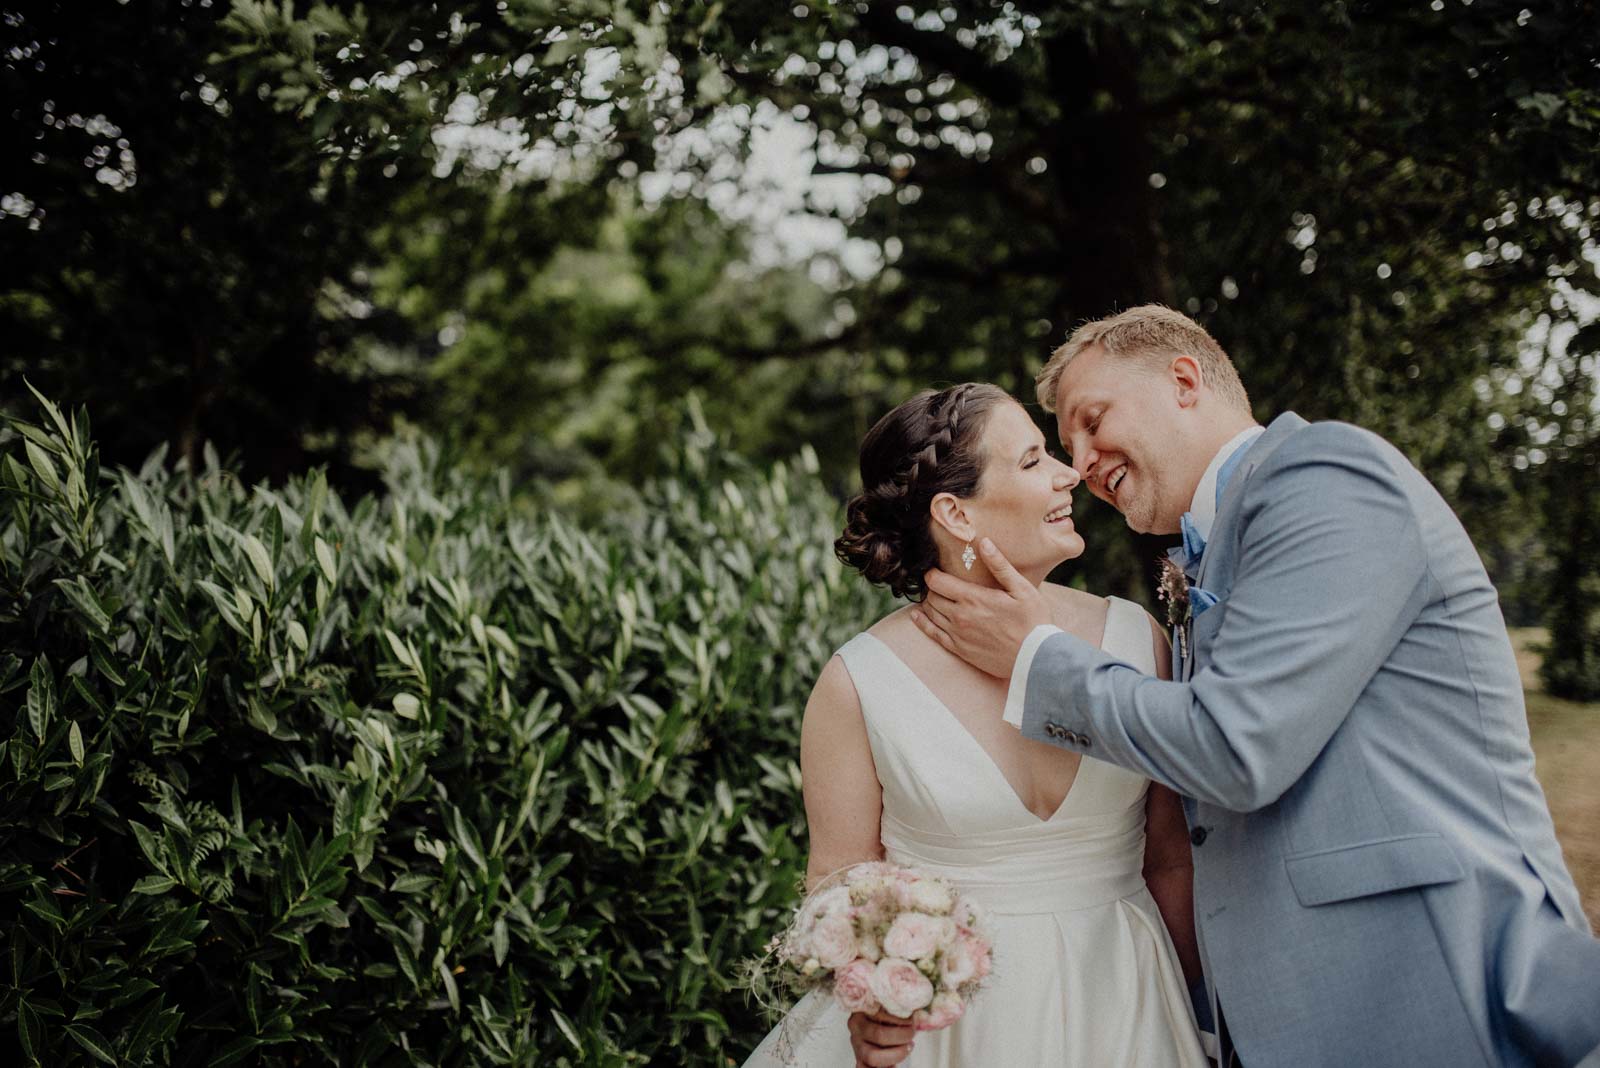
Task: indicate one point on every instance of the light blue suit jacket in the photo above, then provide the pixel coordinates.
(1377, 880)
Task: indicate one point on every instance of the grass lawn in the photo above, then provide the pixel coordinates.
(1566, 746)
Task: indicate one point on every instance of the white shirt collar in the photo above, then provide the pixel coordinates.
(1203, 509)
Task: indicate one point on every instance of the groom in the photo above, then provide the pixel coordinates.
(1377, 881)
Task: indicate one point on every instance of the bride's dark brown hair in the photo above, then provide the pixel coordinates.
(927, 446)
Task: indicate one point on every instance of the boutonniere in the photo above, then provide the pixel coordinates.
(1174, 593)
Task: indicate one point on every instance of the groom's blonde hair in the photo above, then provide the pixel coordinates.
(1153, 333)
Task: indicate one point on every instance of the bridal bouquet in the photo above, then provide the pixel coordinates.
(889, 937)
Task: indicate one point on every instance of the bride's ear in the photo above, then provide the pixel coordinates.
(948, 511)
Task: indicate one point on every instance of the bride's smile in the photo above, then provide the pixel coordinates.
(1023, 502)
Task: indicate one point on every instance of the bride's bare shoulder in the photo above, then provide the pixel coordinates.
(1077, 612)
(894, 626)
(835, 690)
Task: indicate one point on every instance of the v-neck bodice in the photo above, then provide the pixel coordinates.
(948, 807)
(893, 662)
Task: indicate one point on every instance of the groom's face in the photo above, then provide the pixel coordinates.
(1118, 421)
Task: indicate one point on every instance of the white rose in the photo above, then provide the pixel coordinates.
(956, 965)
(932, 896)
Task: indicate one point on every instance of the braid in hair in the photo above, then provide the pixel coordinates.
(925, 447)
(946, 414)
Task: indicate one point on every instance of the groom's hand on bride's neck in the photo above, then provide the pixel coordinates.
(983, 626)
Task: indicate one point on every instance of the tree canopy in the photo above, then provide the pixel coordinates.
(280, 227)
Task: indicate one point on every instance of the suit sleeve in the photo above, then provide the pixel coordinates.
(1331, 572)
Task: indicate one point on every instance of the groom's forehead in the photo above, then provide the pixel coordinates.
(1082, 383)
(1094, 377)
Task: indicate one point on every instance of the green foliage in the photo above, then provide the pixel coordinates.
(278, 226)
(180, 250)
(429, 777)
(596, 337)
(1367, 203)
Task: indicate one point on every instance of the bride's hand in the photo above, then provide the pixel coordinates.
(983, 626)
(879, 1039)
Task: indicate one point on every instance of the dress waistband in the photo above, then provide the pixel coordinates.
(1046, 874)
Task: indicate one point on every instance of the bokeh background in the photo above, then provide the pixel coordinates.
(624, 275)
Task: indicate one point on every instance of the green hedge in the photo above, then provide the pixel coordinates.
(427, 777)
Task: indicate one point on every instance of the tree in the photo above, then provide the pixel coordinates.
(1367, 203)
(197, 191)
(578, 322)
(173, 246)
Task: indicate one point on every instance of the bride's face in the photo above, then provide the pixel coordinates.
(1024, 498)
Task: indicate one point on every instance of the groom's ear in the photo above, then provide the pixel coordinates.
(948, 511)
(1185, 374)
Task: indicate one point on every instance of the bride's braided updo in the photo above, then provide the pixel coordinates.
(927, 446)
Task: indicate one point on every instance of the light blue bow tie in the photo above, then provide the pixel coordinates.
(1193, 548)
(1187, 556)
(1194, 543)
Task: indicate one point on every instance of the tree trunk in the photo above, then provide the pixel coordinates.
(1112, 252)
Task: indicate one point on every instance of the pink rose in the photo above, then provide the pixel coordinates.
(833, 941)
(944, 1010)
(912, 936)
(957, 964)
(852, 987)
(899, 987)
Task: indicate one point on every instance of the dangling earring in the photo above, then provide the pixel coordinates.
(968, 557)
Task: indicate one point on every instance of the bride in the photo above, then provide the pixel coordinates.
(1082, 867)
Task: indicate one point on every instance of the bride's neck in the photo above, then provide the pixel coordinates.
(980, 575)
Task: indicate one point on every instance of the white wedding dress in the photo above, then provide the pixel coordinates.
(1084, 971)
